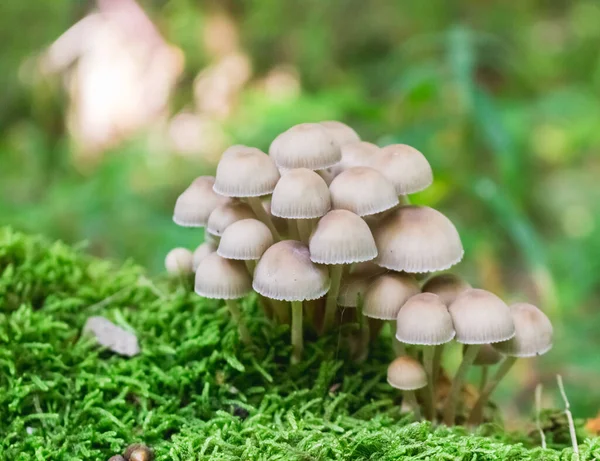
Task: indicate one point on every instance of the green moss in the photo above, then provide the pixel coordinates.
(195, 392)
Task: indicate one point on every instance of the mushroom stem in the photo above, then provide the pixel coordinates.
(293, 230)
(331, 302)
(364, 333)
(250, 265)
(234, 310)
(483, 378)
(304, 229)
(263, 302)
(411, 399)
(455, 390)
(428, 363)
(262, 215)
(282, 311)
(403, 200)
(297, 339)
(477, 412)
(398, 346)
(375, 326)
(437, 363)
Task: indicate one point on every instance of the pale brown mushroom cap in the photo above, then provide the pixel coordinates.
(308, 145)
(405, 167)
(341, 133)
(387, 294)
(220, 278)
(227, 214)
(417, 239)
(300, 194)
(341, 237)
(245, 172)
(360, 153)
(533, 332)
(406, 374)
(179, 261)
(353, 288)
(424, 319)
(363, 191)
(487, 355)
(285, 272)
(197, 202)
(481, 317)
(201, 252)
(446, 286)
(246, 239)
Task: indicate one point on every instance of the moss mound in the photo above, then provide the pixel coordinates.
(194, 392)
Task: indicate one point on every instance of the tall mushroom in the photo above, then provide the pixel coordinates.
(340, 238)
(285, 272)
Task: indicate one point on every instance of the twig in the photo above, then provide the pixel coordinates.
(569, 416)
(538, 410)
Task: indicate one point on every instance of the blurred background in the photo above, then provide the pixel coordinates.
(109, 109)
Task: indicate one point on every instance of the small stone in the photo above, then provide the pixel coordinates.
(112, 337)
(138, 452)
(116, 458)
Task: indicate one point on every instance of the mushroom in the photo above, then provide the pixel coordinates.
(301, 195)
(358, 153)
(285, 272)
(248, 173)
(363, 191)
(308, 145)
(341, 133)
(227, 279)
(405, 167)
(201, 252)
(533, 337)
(340, 238)
(138, 452)
(417, 239)
(486, 357)
(408, 375)
(424, 320)
(446, 286)
(246, 239)
(227, 214)
(479, 317)
(195, 204)
(179, 261)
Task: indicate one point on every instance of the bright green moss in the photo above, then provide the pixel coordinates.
(188, 392)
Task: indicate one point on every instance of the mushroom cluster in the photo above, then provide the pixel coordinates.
(322, 224)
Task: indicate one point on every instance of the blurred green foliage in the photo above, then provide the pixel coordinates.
(502, 97)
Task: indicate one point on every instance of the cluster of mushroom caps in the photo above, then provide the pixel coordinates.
(322, 227)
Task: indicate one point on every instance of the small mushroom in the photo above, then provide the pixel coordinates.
(179, 261)
(308, 145)
(363, 191)
(405, 167)
(197, 202)
(446, 286)
(417, 239)
(246, 239)
(203, 250)
(341, 237)
(479, 317)
(341, 133)
(227, 279)
(408, 375)
(533, 337)
(358, 153)
(285, 272)
(227, 214)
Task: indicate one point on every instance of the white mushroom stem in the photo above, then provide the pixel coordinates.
(262, 215)
(398, 346)
(297, 330)
(455, 390)
(293, 230)
(332, 294)
(437, 363)
(411, 399)
(304, 229)
(428, 362)
(477, 412)
(234, 310)
(483, 378)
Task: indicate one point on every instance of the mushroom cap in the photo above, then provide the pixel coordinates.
(300, 194)
(201, 252)
(341, 237)
(417, 239)
(179, 261)
(285, 272)
(220, 278)
(486, 355)
(446, 286)
(405, 167)
(245, 172)
(367, 268)
(352, 287)
(308, 145)
(533, 332)
(227, 214)
(358, 153)
(481, 317)
(362, 190)
(387, 294)
(245, 239)
(195, 204)
(424, 319)
(407, 374)
(341, 133)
